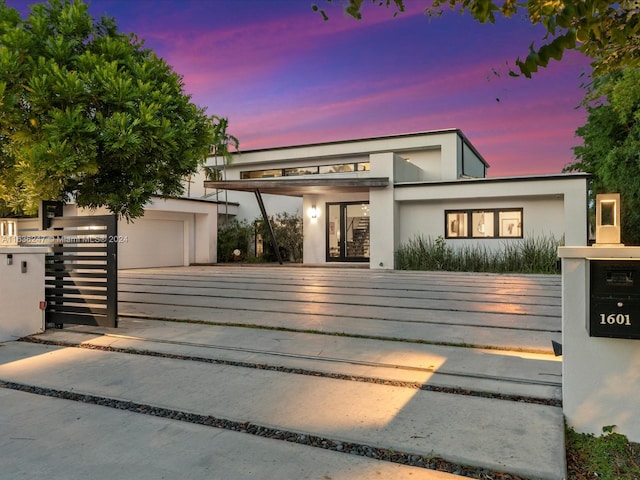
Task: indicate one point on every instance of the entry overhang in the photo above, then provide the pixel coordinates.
(297, 187)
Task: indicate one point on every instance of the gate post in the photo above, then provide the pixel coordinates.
(600, 385)
(21, 291)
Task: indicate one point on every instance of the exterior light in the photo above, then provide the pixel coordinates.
(313, 212)
(8, 233)
(608, 219)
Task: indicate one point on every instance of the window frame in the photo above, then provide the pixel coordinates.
(498, 223)
(351, 167)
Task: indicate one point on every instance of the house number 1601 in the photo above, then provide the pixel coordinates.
(612, 318)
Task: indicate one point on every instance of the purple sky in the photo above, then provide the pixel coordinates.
(283, 76)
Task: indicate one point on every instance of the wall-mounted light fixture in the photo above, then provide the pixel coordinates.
(608, 219)
(313, 212)
(8, 233)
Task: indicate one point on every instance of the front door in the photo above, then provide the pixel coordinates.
(348, 232)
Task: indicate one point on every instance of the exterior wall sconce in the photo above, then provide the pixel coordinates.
(8, 233)
(608, 219)
(313, 212)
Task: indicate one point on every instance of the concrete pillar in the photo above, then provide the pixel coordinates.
(21, 291)
(206, 236)
(575, 214)
(314, 234)
(384, 213)
(600, 376)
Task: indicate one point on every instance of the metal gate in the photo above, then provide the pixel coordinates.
(81, 272)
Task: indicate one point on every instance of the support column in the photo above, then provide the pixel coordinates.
(384, 231)
(265, 217)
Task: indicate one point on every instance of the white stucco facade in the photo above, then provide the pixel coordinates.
(172, 232)
(371, 195)
(553, 205)
(21, 291)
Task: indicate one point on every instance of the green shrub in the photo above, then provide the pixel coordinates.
(234, 235)
(609, 456)
(287, 229)
(531, 255)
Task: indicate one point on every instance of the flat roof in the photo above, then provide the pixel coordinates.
(514, 179)
(413, 135)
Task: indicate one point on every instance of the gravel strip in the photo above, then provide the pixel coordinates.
(431, 463)
(300, 371)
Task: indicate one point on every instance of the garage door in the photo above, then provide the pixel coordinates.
(151, 242)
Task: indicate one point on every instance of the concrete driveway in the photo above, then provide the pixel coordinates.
(211, 366)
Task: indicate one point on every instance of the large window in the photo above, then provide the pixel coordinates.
(490, 223)
(262, 174)
(313, 170)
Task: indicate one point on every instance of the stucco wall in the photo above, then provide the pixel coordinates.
(172, 232)
(553, 205)
(428, 161)
(542, 216)
(21, 292)
(315, 231)
(600, 376)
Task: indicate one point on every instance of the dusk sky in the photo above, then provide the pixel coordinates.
(284, 76)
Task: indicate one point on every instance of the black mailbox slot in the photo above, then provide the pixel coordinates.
(620, 278)
(614, 304)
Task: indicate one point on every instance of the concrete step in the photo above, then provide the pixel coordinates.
(500, 372)
(470, 329)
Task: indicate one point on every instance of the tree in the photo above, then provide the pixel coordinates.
(219, 147)
(611, 145)
(604, 30)
(222, 139)
(89, 114)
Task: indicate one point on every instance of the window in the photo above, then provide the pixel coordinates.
(491, 223)
(456, 224)
(339, 168)
(313, 170)
(261, 174)
(482, 224)
(510, 223)
(293, 172)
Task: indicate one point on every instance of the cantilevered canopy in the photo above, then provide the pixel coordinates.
(297, 187)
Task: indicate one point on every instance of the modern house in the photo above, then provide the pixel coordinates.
(361, 199)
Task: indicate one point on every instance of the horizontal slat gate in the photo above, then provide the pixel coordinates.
(81, 285)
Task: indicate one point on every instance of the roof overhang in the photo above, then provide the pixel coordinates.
(297, 187)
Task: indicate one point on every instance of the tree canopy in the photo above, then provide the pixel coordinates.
(606, 31)
(89, 114)
(611, 148)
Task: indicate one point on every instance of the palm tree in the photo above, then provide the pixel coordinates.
(220, 148)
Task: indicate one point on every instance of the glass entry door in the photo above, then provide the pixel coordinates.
(348, 232)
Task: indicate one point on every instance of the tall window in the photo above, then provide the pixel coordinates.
(490, 223)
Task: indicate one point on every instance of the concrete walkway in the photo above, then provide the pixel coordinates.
(451, 367)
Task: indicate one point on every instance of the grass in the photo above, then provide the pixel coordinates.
(528, 255)
(610, 456)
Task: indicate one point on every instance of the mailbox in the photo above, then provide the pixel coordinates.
(614, 307)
